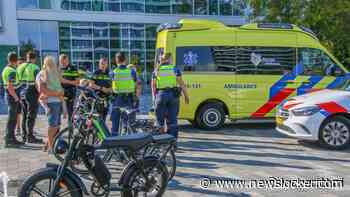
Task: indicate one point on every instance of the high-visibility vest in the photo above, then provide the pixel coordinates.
(166, 77)
(8, 70)
(26, 73)
(123, 81)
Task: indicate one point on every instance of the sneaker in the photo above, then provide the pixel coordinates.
(24, 138)
(34, 140)
(18, 132)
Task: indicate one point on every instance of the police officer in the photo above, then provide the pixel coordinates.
(70, 79)
(20, 60)
(127, 88)
(11, 84)
(167, 86)
(27, 73)
(102, 82)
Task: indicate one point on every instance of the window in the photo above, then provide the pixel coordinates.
(239, 7)
(195, 59)
(226, 7)
(213, 7)
(182, 6)
(200, 7)
(32, 4)
(224, 58)
(86, 42)
(97, 5)
(265, 60)
(133, 6)
(316, 62)
(82, 5)
(40, 36)
(112, 5)
(158, 6)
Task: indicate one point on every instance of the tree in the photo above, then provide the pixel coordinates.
(329, 19)
(25, 47)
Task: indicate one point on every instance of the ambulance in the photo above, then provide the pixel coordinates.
(246, 71)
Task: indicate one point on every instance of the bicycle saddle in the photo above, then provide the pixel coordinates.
(133, 141)
(163, 139)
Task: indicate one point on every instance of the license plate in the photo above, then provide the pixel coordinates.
(279, 120)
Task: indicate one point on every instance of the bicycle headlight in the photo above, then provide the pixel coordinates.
(60, 147)
(306, 111)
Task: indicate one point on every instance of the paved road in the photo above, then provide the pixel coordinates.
(240, 151)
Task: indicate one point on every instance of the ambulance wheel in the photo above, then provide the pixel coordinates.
(211, 116)
(335, 133)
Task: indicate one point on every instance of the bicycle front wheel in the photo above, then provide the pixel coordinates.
(41, 184)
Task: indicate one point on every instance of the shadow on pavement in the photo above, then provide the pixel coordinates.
(271, 155)
(196, 165)
(31, 147)
(317, 146)
(241, 162)
(240, 129)
(209, 144)
(238, 140)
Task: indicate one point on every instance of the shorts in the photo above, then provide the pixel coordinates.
(19, 108)
(54, 114)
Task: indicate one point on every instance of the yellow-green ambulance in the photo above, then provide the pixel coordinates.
(245, 72)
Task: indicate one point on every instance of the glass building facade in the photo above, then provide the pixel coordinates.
(182, 7)
(86, 41)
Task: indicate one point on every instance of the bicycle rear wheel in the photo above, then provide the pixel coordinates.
(169, 159)
(134, 183)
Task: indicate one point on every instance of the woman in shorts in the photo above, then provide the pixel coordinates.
(51, 97)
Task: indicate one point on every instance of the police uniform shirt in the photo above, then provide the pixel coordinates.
(24, 88)
(102, 79)
(133, 73)
(69, 90)
(12, 79)
(176, 71)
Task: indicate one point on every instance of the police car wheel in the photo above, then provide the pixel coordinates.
(211, 116)
(335, 133)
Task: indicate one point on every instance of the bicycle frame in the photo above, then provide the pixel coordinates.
(62, 169)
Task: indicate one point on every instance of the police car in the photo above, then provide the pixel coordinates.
(321, 116)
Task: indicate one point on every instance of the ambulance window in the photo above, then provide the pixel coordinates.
(317, 62)
(224, 58)
(265, 60)
(196, 58)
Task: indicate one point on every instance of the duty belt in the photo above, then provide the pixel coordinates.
(166, 89)
(27, 82)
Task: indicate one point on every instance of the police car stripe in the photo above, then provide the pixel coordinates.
(332, 107)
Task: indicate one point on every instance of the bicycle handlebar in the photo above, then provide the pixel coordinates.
(88, 90)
